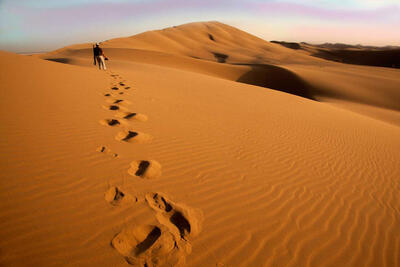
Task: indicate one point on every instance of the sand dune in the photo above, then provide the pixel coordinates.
(254, 61)
(388, 56)
(166, 159)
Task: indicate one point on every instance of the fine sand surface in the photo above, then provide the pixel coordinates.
(201, 145)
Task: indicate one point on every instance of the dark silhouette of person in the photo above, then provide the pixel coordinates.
(98, 55)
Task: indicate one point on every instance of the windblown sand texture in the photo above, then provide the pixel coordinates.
(201, 145)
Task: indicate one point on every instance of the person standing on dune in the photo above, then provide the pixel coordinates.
(98, 55)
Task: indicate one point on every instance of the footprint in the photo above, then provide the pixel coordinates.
(121, 93)
(122, 84)
(117, 101)
(148, 245)
(181, 223)
(180, 219)
(128, 136)
(127, 88)
(145, 169)
(113, 107)
(114, 88)
(149, 241)
(110, 122)
(116, 197)
(158, 202)
(131, 136)
(132, 116)
(104, 149)
(107, 94)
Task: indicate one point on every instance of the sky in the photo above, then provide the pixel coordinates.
(45, 25)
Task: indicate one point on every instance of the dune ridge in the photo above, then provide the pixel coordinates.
(254, 61)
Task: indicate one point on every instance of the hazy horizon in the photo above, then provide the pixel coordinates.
(43, 25)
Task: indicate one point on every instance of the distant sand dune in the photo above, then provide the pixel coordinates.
(360, 55)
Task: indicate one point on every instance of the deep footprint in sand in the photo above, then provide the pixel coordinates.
(132, 136)
(110, 122)
(114, 196)
(158, 202)
(148, 245)
(180, 219)
(114, 88)
(105, 150)
(147, 169)
(102, 149)
(132, 116)
(181, 223)
(117, 101)
(113, 107)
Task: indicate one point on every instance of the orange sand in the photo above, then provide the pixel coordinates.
(198, 162)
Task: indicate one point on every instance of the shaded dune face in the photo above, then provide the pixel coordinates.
(359, 55)
(277, 78)
(386, 58)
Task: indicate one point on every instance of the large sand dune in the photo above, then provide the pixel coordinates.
(181, 154)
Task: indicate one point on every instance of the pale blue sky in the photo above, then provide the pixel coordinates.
(42, 25)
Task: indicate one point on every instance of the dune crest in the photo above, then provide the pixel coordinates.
(219, 50)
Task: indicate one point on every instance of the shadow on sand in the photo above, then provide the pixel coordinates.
(60, 60)
(276, 78)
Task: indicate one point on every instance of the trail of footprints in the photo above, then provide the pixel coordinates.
(165, 243)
